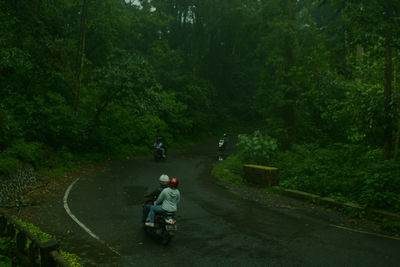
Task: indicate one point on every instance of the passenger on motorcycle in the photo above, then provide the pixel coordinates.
(169, 198)
(164, 182)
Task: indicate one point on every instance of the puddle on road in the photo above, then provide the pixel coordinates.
(133, 195)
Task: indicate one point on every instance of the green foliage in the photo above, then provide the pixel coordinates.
(8, 164)
(72, 259)
(126, 88)
(228, 169)
(15, 59)
(257, 149)
(25, 151)
(358, 112)
(5, 253)
(56, 173)
(391, 226)
(234, 164)
(345, 172)
(381, 186)
(42, 236)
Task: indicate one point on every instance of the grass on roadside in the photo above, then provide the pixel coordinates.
(230, 171)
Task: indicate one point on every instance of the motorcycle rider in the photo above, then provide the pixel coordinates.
(161, 145)
(223, 142)
(226, 138)
(164, 182)
(169, 198)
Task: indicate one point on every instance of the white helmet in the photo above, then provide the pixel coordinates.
(164, 179)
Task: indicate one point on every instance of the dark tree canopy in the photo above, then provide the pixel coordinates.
(303, 71)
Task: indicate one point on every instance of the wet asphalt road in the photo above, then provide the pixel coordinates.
(216, 227)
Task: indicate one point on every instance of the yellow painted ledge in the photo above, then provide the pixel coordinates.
(260, 167)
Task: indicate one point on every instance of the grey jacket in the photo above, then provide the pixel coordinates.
(169, 198)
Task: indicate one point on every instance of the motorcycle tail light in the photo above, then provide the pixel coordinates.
(170, 221)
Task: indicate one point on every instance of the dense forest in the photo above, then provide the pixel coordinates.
(84, 78)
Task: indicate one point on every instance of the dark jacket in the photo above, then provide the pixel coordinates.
(154, 195)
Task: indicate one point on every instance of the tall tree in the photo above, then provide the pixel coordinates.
(81, 53)
(397, 101)
(289, 94)
(375, 23)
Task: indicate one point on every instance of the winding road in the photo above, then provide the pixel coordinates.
(216, 227)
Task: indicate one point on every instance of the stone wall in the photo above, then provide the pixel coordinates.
(13, 187)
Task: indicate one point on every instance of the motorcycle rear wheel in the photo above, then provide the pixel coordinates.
(165, 238)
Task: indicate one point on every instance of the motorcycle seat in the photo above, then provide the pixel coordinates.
(166, 213)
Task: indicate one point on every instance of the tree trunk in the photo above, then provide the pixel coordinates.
(81, 54)
(396, 146)
(196, 42)
(289, 95)
(387, 132)
(360, 54)
(359, 61)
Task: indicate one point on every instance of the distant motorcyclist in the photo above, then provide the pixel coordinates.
(226, 138)
(160, 144)
(164, 182)
(167, 201)
(223, 142)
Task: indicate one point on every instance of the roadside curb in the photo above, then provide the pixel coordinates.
(326, 201)
(330, 202)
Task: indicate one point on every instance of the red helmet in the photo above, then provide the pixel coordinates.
(174, 183)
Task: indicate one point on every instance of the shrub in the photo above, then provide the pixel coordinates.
(26, 151)
(72, 259)
(381, 187)
(20, 152)
(234, 164)
(8, 164)
(257, 149)
(223, 172)
(345, 172)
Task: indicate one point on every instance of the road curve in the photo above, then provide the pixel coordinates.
(216, 227)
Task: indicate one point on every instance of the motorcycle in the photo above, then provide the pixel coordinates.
(222, 144)
(164, 226)
(159, 152)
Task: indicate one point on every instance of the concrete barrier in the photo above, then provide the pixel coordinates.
(385, 214)
(298, 194)
(260, 175)
(332, 203)
(28, 248)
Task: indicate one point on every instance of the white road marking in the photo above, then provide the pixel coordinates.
(365, 232)
(80, 223)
